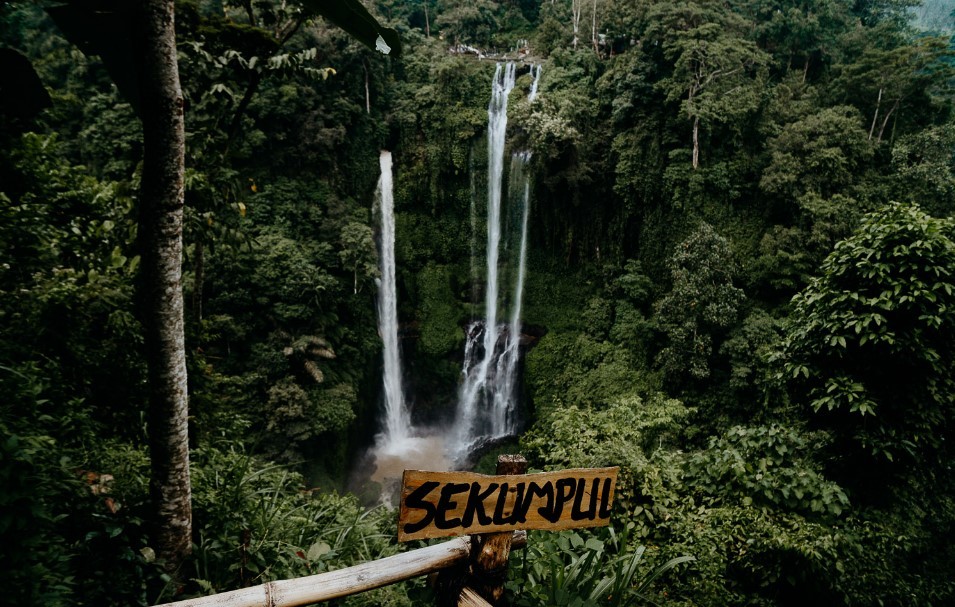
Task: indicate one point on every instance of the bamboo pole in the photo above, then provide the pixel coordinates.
(470, 598)
(348, 581)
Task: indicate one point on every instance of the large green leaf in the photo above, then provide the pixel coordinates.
(351, 16)
(22, 95)
(103, 28)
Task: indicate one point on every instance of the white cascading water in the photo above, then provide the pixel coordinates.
(536, 74)
(504, 390)
(487, 395)
(398, 446)
(397, 426)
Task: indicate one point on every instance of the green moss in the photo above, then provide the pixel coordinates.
(440, 312)
(554, 297)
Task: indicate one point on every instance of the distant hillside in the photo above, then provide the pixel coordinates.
(935, 15)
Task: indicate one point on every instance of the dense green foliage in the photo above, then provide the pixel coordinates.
(871, 336)
(741, 257)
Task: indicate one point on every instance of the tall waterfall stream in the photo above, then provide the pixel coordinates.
(487, 396)
(397, 420)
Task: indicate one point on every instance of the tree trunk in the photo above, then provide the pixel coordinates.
(427, 20)
(576, 6)
(875, 116)
(160, 232)
(199, 280)
(696, 142)
(254, 81)
(885, 121)
(364, 66)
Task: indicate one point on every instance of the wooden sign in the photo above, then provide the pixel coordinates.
(440, 504)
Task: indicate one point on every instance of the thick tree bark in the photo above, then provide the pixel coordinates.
(160, 232)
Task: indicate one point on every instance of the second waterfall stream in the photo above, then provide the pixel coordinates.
(487, 400)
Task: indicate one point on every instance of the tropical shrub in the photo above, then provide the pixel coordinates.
(869, 343)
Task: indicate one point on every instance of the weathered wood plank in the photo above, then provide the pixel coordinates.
(345, 582)
(441, 504)
(470, 598)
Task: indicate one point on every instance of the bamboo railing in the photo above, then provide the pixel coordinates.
(353, 580)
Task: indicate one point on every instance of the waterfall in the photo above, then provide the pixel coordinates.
(536, 73)
(487, 395)
(504, 391)
(398, 446)
(496, 132)
(397, 424)
(474, 226)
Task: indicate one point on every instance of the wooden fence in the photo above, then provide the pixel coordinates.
(473, 569)
(353, 580)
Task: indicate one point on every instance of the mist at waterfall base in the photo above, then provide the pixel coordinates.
(486, 407)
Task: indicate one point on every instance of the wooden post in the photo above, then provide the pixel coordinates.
(490, 551)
